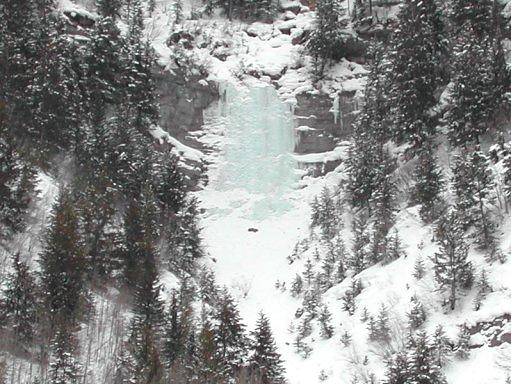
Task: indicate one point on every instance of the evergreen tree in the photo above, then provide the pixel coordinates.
(473, 98)
(416, 46)
(175, 332)
(418, 269)
(229, 335)
(297, 286)
(64, 369)
(463, 343)
(417, 314)
(422, 366)
(483, 288)
(55, 96)
(109, 8)
(16, 185)
(18, 306)
(209, 368)
(428, 185)
(104, 64)
(325, 319)
(139, 233)
(169, 184)
(366, 157)
(265, 359)
(18, 50)
(384, 207)
(358, 257)
(477, 14)
(184, 243)
(327, 35)
(452, 269)
(62, 264)
(346, 339)
(139, 109)
(441, 347)
(397, 370)
(473, 183)
(308, 273)
(382, 324)
(146, 325)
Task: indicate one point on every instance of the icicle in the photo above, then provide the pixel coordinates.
(336, 107)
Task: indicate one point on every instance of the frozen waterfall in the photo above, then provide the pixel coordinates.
(258, 141)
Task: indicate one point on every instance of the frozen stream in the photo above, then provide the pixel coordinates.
(253, 180)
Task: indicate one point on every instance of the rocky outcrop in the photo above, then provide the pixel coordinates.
(323, 123)
(320, 124)
(182, 102)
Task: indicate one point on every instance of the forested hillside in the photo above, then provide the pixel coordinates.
(255, 191)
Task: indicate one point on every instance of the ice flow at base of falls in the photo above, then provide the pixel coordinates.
(256, 152)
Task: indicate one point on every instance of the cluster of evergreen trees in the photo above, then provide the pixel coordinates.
(400, 106)
(458, 55)
(330, 39)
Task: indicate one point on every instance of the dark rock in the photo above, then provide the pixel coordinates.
(301, 38)
(183, 37)
(182, 102)
(253, 230)
(79, 19)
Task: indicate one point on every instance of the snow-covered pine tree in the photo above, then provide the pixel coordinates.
(397, 369)
(183, 239)
(358, 257)
(477, 14)
(62, 264)
(19, 31)
(103, 62)
(415, 51)
(229, 335)
(483, 288)
(16, 185)
(473, 101)
(325, 321)
(175, 335)
(463, 343)
(441, 347)
(18, 303)
(452, 269)
(428, 185)
(422, 366)
(296, 286)
(64, 368)
(265, 359)
(109, 8)
(139, 234)
(140, 107)
(169, 184)
(148, 316)
(370, 133)
(348, 302)
(383, 203)
(473, 184)
(418, 269)
(382, 324)
(327, 35)
(55, 96)
(417, 314)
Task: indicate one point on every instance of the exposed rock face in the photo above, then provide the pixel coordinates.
(325, 129)
(182, 103)
(322, 125)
